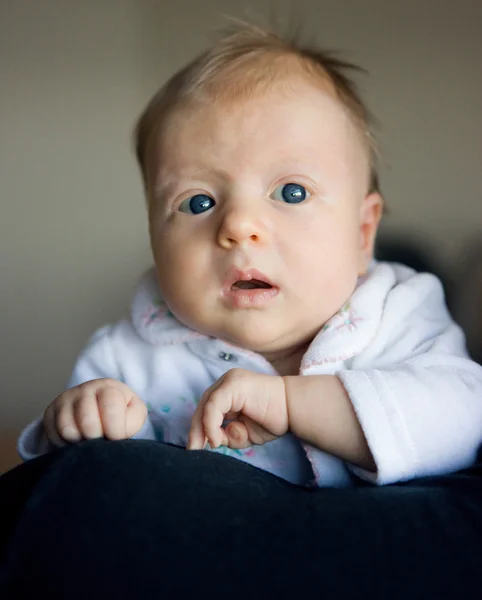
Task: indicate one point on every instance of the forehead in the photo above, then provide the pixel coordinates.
(293, 120)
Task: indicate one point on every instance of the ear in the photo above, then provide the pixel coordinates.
(370, 214)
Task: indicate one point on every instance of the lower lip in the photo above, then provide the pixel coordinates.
(239, 298)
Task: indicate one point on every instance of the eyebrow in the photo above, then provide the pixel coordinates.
(168, 184)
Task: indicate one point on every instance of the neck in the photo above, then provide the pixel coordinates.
(287, 362)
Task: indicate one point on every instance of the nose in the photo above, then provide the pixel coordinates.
(242, 224)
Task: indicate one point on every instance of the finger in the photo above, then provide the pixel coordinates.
(50, 427)
(237, 435)
(257, 434)
(197, 439)
(215, 409)
(136, 414)
(112, 409)
(65, 421)
(231, 415)
(87, 416)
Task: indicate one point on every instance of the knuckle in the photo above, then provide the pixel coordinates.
(88, 428)
(110, 397)
(61, 401)
(85, 416)
(210, 405)
(234, 373)
(238, 375)
(61, 414)
(93, 385)
(85, 388)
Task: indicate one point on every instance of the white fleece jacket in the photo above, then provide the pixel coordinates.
(394, 346)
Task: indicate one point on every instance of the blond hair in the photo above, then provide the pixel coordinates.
(245, 60)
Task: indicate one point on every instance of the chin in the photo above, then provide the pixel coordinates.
(260, 337)
(256, 341)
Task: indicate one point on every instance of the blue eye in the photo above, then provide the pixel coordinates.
(197, 204)
(292, 193)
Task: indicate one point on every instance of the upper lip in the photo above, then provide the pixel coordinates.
(234, 274)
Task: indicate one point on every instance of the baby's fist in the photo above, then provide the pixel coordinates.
(97, 408)
(240, 409)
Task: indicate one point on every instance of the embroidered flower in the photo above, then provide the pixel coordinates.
(248, 452)
(347, 318)
(156, 311)
(189, 404)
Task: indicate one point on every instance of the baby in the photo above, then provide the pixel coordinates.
(266, 330)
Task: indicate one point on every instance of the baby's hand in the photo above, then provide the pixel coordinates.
(255, 402)
(97, 408)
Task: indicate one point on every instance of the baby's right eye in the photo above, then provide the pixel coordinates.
(197, 204)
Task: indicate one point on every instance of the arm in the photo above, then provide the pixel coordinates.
(415, 393)
(320, 412)
(421, 418)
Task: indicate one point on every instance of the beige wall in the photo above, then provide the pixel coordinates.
(74, 76)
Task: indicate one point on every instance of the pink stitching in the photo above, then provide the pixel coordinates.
(330, 359)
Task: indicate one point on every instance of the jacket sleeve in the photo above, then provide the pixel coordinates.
(96, 361)
(416, 393)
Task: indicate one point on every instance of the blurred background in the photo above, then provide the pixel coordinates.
(74, 77)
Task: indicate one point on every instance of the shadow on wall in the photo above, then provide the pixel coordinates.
(463, 290)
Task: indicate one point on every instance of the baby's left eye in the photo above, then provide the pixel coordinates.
(292, 193)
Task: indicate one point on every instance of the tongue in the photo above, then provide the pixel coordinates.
(251, 284)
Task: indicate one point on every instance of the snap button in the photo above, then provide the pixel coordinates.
(226, 356)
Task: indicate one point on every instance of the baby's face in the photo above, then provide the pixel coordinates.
(259, 219)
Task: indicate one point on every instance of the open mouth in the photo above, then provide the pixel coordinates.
(249, 288)
(252, 284)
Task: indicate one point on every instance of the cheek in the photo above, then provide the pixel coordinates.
(170, 256)
(324, 261)
(321, 242)
(180, 264)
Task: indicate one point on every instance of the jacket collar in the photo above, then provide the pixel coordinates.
(344, 336)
